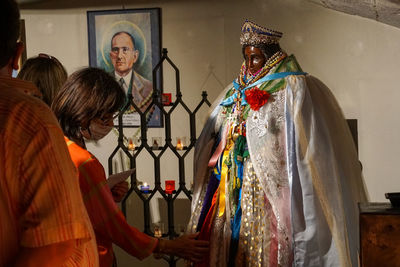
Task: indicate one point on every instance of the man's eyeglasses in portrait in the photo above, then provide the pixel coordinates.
(124, 49)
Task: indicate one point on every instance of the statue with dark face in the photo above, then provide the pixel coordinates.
(277, 178)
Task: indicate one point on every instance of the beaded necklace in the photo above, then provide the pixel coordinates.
(236, 113)
(245, 79)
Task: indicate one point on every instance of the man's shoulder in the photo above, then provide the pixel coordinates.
(16, 90)
(17, 107)
(141, 83)
(142, 79)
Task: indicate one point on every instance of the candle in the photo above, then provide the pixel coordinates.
(169, 186)
(158, 229)
(157, 233)
(155, 144)
(144, 188)
(131, 145)
(179, 145)
(115, 164)
(121, 157)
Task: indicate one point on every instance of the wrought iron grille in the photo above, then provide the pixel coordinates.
(182, 188)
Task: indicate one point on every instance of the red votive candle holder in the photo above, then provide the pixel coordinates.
(166, 99)
(169, 186)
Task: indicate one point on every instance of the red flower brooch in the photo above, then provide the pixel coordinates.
(256, 98)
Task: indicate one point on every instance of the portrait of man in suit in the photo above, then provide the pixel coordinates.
(126, 43)
(123, 55)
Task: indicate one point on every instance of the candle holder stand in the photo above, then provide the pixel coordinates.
(146, 145)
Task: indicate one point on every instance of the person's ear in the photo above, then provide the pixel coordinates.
(135, 56)
(17, 55)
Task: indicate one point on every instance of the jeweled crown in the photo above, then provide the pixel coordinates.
(253, 34)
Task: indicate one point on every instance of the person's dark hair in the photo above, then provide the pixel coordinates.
(9, 30)
(268, 49)
(47, 73)
(88, 94)
(127, 33)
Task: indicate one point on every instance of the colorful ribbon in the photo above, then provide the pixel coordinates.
(222, 193)
(274, 76)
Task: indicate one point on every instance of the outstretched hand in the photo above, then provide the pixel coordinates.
(186, 246)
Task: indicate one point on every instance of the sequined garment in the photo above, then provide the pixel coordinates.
(257, 223)
(265, 238)
(268, 127)
(300, 184)
(272, 247)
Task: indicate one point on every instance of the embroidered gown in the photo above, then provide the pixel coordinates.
(285, 181)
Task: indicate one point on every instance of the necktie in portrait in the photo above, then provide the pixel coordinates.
(123, 85)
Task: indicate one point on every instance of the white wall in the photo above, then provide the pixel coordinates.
(357, 58)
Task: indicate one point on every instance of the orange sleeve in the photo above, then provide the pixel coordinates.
(107, 219)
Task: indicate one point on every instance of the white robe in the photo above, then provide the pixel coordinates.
(322, 173)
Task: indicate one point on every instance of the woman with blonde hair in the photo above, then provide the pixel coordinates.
(46, 72)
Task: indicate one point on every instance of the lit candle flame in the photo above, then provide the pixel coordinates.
(131, 145)
(179, 145)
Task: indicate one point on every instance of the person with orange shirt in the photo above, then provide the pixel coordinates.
(84, 107)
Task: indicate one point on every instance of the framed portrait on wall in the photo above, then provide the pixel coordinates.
(127, 44)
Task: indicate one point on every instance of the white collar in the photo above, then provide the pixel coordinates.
(127, 78)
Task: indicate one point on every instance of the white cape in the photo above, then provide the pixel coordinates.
(323, 170)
